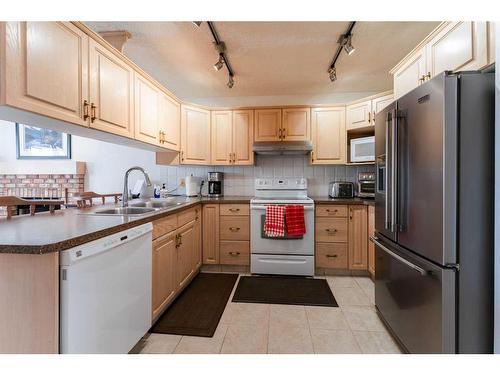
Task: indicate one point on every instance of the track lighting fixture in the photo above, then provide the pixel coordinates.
(230, 83)
(219, 64)
(332, 72)
(345, 43)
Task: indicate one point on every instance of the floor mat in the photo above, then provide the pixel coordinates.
(197, 311)
(284, 290)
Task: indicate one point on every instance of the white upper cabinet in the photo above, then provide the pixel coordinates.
(453, 46)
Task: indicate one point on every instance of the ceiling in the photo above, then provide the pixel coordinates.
(270, 59)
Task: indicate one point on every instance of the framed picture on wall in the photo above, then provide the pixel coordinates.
(38, 143)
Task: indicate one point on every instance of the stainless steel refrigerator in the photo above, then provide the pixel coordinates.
(434, 215)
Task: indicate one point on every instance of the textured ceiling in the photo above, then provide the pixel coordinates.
(268, 58)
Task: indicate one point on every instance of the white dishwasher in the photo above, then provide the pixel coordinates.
(105, 293)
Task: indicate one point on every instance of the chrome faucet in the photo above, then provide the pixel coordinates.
(125, 183)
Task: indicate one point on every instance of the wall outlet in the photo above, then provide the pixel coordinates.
(183, 182)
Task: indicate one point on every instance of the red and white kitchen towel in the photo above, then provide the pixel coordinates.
(274, 226)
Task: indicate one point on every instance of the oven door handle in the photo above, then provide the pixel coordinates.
(400, 258)
(263, 207)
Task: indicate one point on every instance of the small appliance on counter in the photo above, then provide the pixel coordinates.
(193, 185)
(341, 189)
(215, 184)
(366, 184)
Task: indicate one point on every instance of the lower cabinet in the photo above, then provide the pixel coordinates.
(176, 256)
(226, 234)
(342, 236)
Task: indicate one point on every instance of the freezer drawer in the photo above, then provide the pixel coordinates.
(416, 299)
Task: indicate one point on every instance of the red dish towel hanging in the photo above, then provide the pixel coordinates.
(274, 226)
(295, 223)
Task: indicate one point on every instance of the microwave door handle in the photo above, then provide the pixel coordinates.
(387, 169)
(394, 170)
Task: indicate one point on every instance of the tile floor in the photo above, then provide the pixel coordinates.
(354, 327)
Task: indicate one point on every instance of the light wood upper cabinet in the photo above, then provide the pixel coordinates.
(163, 278)
(243, 137)
(358, 237)
(195, 135)
(267, 125)
(169, 122)
(222, 147)
(46, 69)
(328, 135)
(296, 124)
(359, 115)
(146, 110)
(410, 74)
(458, 46)
(380, 103)
(111, 92)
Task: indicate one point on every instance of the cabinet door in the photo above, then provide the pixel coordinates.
(371, 246)
(328, 135)
(111, 92)
(164, 285)
(195, 135)
(409, 75)
(196, 254)
(380, 103)
(210, 248)
(46, 69)
(169, 122)
(296, 124)
(359, 115)
(267, 124)
(358, 238)
(146, 111)
(185, 249)
(459, 46)
(243, 137)
(222, 137)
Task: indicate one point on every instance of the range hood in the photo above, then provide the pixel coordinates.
(283, 148)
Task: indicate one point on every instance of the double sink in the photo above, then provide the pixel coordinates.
(143, 207)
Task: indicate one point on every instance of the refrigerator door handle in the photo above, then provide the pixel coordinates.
(394, 170)
(401, 259)
(388, 169)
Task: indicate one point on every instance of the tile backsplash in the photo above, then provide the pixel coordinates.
(239, 180)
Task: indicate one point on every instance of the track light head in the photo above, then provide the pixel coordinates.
(347, 44)
(219, 64)
(197, 23)
(230, 82)
(332, 72)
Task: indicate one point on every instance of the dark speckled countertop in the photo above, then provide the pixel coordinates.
(47, 233)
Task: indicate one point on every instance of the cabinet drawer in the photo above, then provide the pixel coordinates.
(186, 216)
(234, 228)
(331, 255)
(164, 225)
(234, 209)
(331, 210)
(331, 229)
(235, 252)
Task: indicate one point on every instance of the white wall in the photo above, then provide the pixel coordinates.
(497, 192)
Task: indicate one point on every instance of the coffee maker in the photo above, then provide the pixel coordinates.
(215, 184)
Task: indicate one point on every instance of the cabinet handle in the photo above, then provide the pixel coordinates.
(331, 232)
(234, 253)
(427, 76)
(92, 112)
(182, 156)
(334, 211)
(180, 239)
(284, 133)
(234, 229)
(85, 110)
(369, 117)
(234, 209)
(331, 255)
(373, 118)
(280, 133)
(312, 156)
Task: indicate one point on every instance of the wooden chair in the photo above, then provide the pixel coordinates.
(85, 199)
(11, 202)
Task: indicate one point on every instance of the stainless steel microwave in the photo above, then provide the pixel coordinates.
(362, 149)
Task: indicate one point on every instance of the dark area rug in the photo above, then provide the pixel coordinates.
(197, 311)
(285, 290)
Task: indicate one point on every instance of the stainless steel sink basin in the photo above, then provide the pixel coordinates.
(129, 211)
(164, 203)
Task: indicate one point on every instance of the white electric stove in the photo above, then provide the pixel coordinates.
(282, 255)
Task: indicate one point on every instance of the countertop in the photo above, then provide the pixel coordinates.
(46, 233)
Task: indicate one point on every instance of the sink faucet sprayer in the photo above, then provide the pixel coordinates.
(125, 183)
